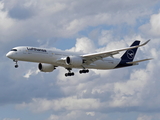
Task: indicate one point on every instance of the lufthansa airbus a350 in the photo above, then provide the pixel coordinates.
(48, 59)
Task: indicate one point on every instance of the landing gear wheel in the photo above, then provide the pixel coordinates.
(87, 71)
(66, 74)
(83, 71)
(73, 74)
(16, 66)
(69, 74)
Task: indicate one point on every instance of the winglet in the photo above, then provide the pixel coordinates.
(145, 42)
(132, 47)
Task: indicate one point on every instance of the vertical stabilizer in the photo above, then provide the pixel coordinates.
(129, 55)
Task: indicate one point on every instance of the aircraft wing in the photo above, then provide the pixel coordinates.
(89, 58)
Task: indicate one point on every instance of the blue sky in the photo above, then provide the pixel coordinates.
(86, 26)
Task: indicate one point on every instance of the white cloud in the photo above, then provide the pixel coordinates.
(153, 27)
(5, 22)
(90, 113)
(69, 103)
(53, 117)
(129, 93)
(144, 117)
(31, 72)
(106, 37)
(98, 93)
(155, 24)
(47, 19)
(84, 45)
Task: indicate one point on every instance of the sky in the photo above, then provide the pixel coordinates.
(87, 26)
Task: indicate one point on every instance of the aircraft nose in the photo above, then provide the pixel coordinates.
(9, 55)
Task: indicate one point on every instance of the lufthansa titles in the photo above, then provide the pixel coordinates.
(36, 49)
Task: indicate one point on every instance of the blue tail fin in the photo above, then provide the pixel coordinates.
(129, 55)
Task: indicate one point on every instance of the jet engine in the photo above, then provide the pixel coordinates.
(74, 60)
(45, 67)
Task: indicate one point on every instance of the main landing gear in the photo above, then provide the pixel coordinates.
(83, 71)
(16, 63)
(69, 72)
(72, 73)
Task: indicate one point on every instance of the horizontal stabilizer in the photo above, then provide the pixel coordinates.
(135, 62)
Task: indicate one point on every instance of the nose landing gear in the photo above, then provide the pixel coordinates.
(16, 66)
(16, 63)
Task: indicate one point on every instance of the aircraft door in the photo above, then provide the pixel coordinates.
(26, 51)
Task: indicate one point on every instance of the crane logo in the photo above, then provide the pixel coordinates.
(130, 54)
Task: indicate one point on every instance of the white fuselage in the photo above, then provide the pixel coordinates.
(54, 57)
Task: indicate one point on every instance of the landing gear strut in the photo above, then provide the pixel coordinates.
(69, 72)
(16, 63)
(83, 71)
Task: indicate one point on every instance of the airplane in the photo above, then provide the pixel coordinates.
(49, 59)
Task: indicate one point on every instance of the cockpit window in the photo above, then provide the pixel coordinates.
(14, 50)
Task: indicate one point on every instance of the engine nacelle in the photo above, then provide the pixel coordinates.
(45, 67)
(74, 60)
